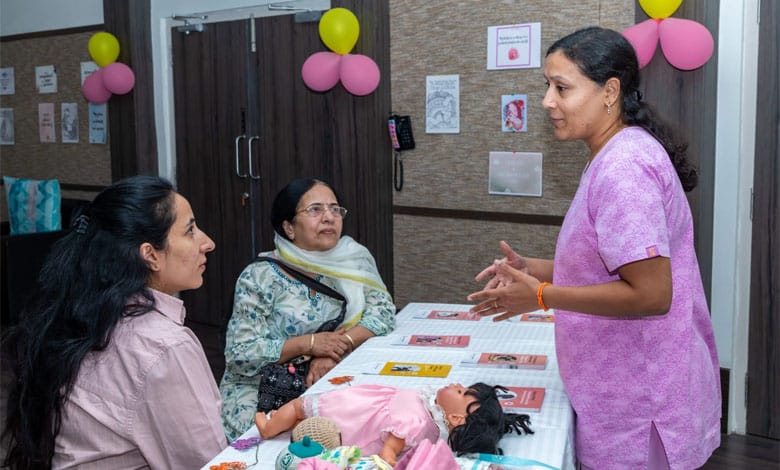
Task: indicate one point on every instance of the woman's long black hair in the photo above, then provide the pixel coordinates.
(93, 277)
(602, 54)
(486, 423)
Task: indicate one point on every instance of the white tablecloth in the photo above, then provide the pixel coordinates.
(552, 442)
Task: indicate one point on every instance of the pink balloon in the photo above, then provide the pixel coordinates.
(644, 37)
(686, 44)
(118, 78)
(320, 71)
(93, 88)
(359, 74)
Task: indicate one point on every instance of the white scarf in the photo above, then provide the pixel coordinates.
(349, 263)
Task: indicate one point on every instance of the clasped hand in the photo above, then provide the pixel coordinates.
(509, 291)
(329, 348)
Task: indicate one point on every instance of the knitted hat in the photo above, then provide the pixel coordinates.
(320, 429)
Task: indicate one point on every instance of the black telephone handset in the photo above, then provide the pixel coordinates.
(400, 128)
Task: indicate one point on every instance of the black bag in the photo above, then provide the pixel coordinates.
(280, 383)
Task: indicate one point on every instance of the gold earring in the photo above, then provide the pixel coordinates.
(609, 109)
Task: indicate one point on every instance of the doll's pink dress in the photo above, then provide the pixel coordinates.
(367, 413)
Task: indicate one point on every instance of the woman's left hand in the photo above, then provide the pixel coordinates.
(319, 367)
(515, 295)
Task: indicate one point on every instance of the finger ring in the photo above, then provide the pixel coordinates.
(495, 304)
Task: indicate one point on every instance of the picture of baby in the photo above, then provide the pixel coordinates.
(513, 113)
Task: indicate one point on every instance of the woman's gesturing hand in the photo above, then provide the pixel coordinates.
(511, 258)
(517, 294)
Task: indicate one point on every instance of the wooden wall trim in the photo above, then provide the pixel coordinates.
(460, 214)
(133, 136)
(52, 32)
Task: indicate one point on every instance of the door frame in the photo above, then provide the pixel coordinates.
(165, 109)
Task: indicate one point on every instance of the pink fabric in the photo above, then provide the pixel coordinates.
(315, 463)
(429, 456)
(148, 401)
(624, 375)
(367, 413)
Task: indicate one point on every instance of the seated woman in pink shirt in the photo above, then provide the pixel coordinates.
(107, 375)
(633, 335)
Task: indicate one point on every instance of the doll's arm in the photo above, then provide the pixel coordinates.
(393, 446)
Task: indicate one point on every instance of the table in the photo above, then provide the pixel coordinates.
(552, 443)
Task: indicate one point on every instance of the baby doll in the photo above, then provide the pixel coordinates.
(386, 420)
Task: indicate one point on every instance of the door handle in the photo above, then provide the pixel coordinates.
(238, 152)
(249, 144)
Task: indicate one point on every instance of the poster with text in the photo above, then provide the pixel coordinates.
(513, 113)
(6, 126)
(442, 104)
(87, 68)
(46, 79)
(46, 122)
(7, 81)
(516, 46)
(515, 174)
(97, 123)
(69, 120)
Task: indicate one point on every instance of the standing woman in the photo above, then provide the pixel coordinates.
(276, 317)
(107, 376)
(633, 333)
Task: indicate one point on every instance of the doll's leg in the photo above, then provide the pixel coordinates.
(281, 420)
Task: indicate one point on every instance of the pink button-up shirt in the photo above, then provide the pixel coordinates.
(148, 401)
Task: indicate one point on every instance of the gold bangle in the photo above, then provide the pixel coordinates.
(352, 341)
(311, 345)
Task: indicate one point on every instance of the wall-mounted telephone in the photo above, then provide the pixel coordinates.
(400, 128)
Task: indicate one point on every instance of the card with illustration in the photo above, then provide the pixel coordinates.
(521, 399)
(506, 360)
(450, 315)
(444, 341)
(413, 369)
(538, 317)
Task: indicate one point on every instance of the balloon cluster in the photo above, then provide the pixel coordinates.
(112, 77)
(686, 44)
(339, 30)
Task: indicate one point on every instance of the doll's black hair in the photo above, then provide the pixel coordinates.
(486, 423)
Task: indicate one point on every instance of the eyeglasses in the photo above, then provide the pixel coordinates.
(318, 210)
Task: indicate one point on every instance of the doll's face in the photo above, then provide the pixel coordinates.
(454, 401)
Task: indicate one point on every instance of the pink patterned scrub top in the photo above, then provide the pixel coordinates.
(624, 374)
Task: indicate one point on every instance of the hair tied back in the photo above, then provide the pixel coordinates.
(80, 224)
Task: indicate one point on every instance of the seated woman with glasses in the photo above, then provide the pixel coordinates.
(276, 317)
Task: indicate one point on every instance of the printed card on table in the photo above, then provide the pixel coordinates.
(443, 341)
(521, 399)
(410, 369)
(506, 360)
(538, 317)
(449, 315)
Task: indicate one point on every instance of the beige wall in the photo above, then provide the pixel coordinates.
(435, 259)
(80, 163)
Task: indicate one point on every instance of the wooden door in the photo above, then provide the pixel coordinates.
(226, 88)
(210, 83)
(763, 391)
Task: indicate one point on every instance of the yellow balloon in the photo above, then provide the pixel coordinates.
(339, 30)
(659, 9)
(103, 48)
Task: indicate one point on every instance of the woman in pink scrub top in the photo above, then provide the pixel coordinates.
(633, 333)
